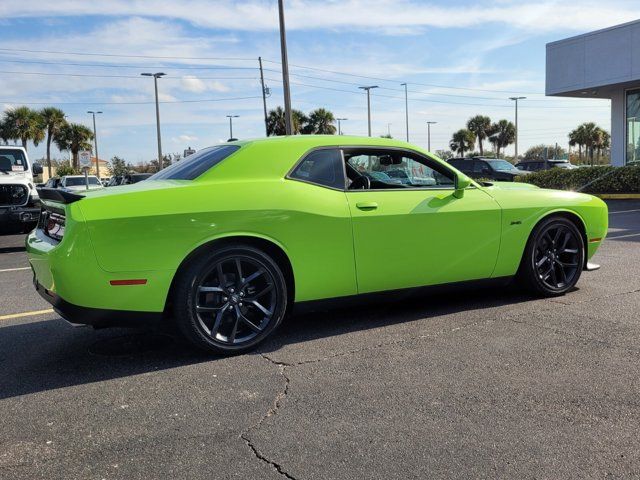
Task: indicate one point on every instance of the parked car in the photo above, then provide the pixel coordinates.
(105, 181)
(134, 178)
(75, 183)
(53, 182)
(537, 165)
(229, 239)
(19, 199)
(489, 168)
(115, 181)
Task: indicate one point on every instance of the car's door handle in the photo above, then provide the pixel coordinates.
(367, 205)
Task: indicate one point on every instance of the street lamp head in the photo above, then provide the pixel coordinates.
(369, 87)
(233, 116)
(517, 98)
(431, 123)
(156, 75)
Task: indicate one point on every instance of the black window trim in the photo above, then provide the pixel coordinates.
(342, 148)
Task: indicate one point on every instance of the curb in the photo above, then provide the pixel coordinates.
(617, 196)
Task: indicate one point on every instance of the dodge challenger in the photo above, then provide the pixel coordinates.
(227, 241)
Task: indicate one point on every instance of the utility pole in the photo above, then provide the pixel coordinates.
(389, 130)
(264, 97)
(95, 141)
(406, 108)
(515, 99)
(156, 76)
(429, 134)
(288, 114)
(368, 90)
(339, 127)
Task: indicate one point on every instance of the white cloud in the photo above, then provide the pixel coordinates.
(255, 15)
(194, 84)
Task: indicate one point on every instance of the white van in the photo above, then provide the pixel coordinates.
(19, 201)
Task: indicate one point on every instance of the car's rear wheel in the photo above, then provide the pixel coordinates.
(231, 299)
(553, 258)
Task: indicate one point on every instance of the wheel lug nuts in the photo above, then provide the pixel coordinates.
(242, 294)
(240, 304)
(224, 299)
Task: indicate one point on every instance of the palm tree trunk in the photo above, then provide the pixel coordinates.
(49, 153)
(480, 146)
(24, 143)
(74, 161)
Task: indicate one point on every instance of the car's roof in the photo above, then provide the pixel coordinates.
(325, 140)
(12, 147)
(77, 176)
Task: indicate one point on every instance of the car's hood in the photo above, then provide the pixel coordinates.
(14, 178)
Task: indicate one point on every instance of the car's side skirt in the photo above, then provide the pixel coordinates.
(395, 295)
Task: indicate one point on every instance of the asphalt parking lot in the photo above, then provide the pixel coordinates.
(480, 384)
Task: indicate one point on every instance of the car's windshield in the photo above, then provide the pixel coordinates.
(12, 160)
(76, 181)
(196, 164)
(502, 165)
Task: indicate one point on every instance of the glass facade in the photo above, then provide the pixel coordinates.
(633, 126)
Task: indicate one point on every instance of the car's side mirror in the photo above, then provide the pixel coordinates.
(36, 168)
(460, 183)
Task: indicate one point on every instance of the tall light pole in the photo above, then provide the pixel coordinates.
(231, 117)
(515, 99)
(339, 126)
(368, 90)
(406, 108)
(389, 129)
(156, 76)
(288, 114)
(429, 134)
(95, 141)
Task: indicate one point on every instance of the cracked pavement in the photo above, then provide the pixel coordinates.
(474, 384)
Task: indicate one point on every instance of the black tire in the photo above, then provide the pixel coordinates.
(233, 311)
(553, 258)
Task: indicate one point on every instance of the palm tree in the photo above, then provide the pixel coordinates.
(461, 141)
(23, 124)
(480, 125)
(503, 134)
(320, 121)
(276, 122)
(74, 137)
(52, 121)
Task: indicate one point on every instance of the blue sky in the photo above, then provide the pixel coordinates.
(459, 58)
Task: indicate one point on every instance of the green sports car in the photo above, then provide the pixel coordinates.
(226, 241)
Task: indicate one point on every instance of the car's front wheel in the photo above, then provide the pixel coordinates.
(231, 299)
(553, 258)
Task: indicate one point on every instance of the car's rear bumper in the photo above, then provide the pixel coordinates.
(96, 317)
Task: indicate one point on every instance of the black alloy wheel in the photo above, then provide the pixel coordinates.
(554, 257)
(231, 300)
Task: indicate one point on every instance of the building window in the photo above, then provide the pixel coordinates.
(633, 126)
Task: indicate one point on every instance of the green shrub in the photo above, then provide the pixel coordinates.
(66, 169)
(605, 179)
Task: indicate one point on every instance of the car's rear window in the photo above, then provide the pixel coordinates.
(195, 165)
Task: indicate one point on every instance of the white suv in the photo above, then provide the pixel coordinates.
(19, 200)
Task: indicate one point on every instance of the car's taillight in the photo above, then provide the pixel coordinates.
(52, 224)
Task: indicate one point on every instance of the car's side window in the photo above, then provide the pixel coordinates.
(395, 169)
(322, 167)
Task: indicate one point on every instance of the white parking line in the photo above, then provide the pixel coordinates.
(613, 237)
(14, 269)
(626, 211)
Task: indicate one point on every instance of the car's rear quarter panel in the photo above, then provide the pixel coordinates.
(155, 231)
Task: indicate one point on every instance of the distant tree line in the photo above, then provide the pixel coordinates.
(500, 134)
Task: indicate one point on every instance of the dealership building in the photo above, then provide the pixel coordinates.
(603, 64)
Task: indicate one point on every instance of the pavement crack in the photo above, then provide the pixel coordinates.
(273, 410)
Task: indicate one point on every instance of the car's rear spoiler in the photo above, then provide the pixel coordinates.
(57, 195)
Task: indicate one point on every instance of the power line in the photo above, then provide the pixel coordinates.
(395, 80)
(51, 74)
(203, 100)
(111, 65)
(430, 100)
(124, 56)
